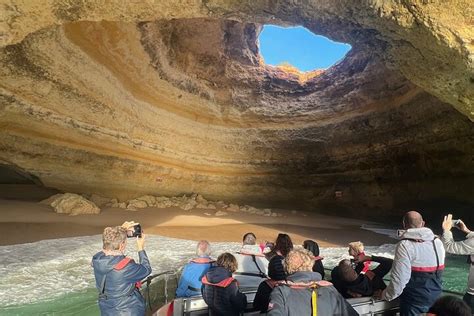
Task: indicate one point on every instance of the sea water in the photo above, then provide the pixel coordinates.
(55, 277)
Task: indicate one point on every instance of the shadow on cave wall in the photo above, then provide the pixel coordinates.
(17, 184)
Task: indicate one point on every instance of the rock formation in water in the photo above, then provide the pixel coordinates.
(124, 99)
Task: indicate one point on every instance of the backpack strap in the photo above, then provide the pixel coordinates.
(263, 275)
(436, 254)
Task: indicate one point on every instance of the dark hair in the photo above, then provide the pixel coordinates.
(283, 244)
(228, 261)
(276, 271)
(311, 246)
(346, 272)
(249, 239)
(450, 306)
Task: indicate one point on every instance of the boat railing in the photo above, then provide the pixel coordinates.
(158, 289)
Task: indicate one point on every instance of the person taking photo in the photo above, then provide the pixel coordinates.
(464, 247)
(118, 277)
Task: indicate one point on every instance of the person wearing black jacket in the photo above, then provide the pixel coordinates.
(352, 284)
(276, 272)
(318, 261)
(220, 290)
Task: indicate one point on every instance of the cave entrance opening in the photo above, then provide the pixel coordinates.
(299, 49)
(18, 184)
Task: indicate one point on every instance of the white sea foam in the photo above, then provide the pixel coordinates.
(47, 269)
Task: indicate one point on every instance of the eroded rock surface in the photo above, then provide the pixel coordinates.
(73, 204)
(161, 98)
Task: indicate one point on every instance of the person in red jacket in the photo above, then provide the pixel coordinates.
(118, 277)
(220, 291)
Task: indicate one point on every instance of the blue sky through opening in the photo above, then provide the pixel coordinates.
(299, 47)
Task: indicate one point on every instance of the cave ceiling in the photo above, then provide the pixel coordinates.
(173, 97)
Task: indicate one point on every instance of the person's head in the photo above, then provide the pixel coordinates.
(227, 261)
(299, 260)
(346, 271)
(203, 248)
(276, 271)
(449, 306)
(249, 239)
(356, 248)
(283, 244)
(312, 246)
(412, 219)
(114, 238)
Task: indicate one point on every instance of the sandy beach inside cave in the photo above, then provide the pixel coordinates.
(23, 222)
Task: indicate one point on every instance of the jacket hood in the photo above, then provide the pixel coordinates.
(217, 274)
(423, 233)
(103, 263)
(305, 276)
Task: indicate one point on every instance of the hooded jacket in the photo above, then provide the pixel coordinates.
(252, 266)
(464, 247)
(418, 251)
(289, 301)
(118, 294)
(190, 281)
(221, 293)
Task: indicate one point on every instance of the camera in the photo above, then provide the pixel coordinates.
(135, 231)
(455, 222)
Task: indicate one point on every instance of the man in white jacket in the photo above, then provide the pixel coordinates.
(464, 247)
(417, 267)
(253, 266)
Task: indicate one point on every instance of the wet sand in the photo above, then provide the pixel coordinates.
(22, 222)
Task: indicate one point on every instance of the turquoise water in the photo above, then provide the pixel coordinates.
(54, 277)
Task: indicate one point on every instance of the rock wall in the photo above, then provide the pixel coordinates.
(157, 98)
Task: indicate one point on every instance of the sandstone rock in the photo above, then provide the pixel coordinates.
(274, 214)
(149, 199)
(200, 199)
(233, 208)
(267, 212)
(74, 204)
(211, 206)
(122, 205)
(167, 113)
(259, 212)
(187, 205)
(99, 200)
(113, 203)
(221, 204)
(220, 213)
(163, 202)
(51, 199)
(135, 204)
(201, 206)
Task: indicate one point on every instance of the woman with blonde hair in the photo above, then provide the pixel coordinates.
(304, 293)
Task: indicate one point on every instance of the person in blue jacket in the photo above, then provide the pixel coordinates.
(190, 281)
(118, 277)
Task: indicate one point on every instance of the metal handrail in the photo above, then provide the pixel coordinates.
(148, 280)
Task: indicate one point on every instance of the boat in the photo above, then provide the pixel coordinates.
(162, 302)
(158, 291)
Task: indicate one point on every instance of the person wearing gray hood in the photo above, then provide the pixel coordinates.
(118, 277)
(417, 267)
(463, 247)
(303, 293)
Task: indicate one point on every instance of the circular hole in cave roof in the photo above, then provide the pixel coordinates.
(300, 48)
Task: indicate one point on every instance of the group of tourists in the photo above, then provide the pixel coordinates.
(289, 279)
